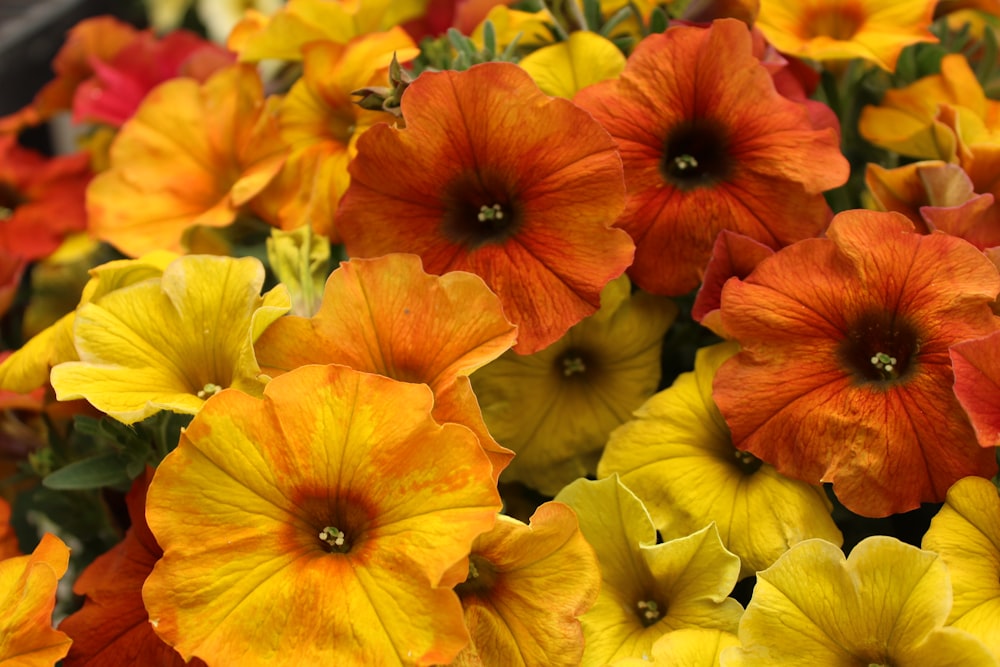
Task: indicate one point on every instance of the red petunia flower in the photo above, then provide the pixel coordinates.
(493, 177)
(113, 627)
(709, 144)
(41, 199)
(845, 374)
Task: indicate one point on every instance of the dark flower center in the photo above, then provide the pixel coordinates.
(696, 154)
(880, 348)
(649, 612)
(478, 211)
(575, 364)
(9, 200)
(482, 576)
(746, 462)
(840, 22)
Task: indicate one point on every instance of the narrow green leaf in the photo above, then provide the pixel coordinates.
(92, 473)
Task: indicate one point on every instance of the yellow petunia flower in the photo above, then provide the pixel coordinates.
(648, 589)
(511, 621)
(678, 446)
(283, 35)
(562, 69)
(884, 605)
(966, 534)
(687, 647)
(317, 526)
(824, 30)
(170, 343)
(555, 408)
(28, 368)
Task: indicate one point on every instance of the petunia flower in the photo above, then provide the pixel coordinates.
(687, 647)
(511, 620)
(913, 187)
(317, 526)
(321, 122)
(829, 30)
(977, 385)
(92, 40)
(119, 83)
(733, 255)
(113, 627)
(932, 116)
(191, 155)
(562, 69)
(386, 316)
(27, 597)
(966, 534)
(41, 199)
(648, 589)
(884, 605)
(169, 343)
(299, 22)
(555, 408)
(27, 369)
(708, 144)
(677, 456)
(844, 375)
(493, 177)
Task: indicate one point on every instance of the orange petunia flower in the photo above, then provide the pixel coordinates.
(317, 525)
(41, 199)
(977, 385)
(386, 316)
(192, 155)
(844, 375)
(113, 627)
(27, 597)
(875, 30)
(708, 144)
(493, 177)
(511, 622)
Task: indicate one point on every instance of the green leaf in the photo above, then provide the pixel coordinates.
(98, 471)
(658, 20)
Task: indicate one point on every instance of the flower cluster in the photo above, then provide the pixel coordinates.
(503, 333)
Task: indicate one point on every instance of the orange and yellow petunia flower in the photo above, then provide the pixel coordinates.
(830, 30)
(113, 627)
(555, 408)
(884, 605)
(191, 155)
(169, 343)
(708, 144)
(27, 597)
(966, 534)
(319, 525)
(493, 177)
(387, 316)
(321, 122)
(526, 587)
(648, 589)
(844, 374)
(678, 446)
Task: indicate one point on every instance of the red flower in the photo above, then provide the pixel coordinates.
(845, 374)
(41, 200)
(493, 177)
(708, 144)
(113, 627)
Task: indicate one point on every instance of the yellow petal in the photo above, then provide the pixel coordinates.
(562, 69)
